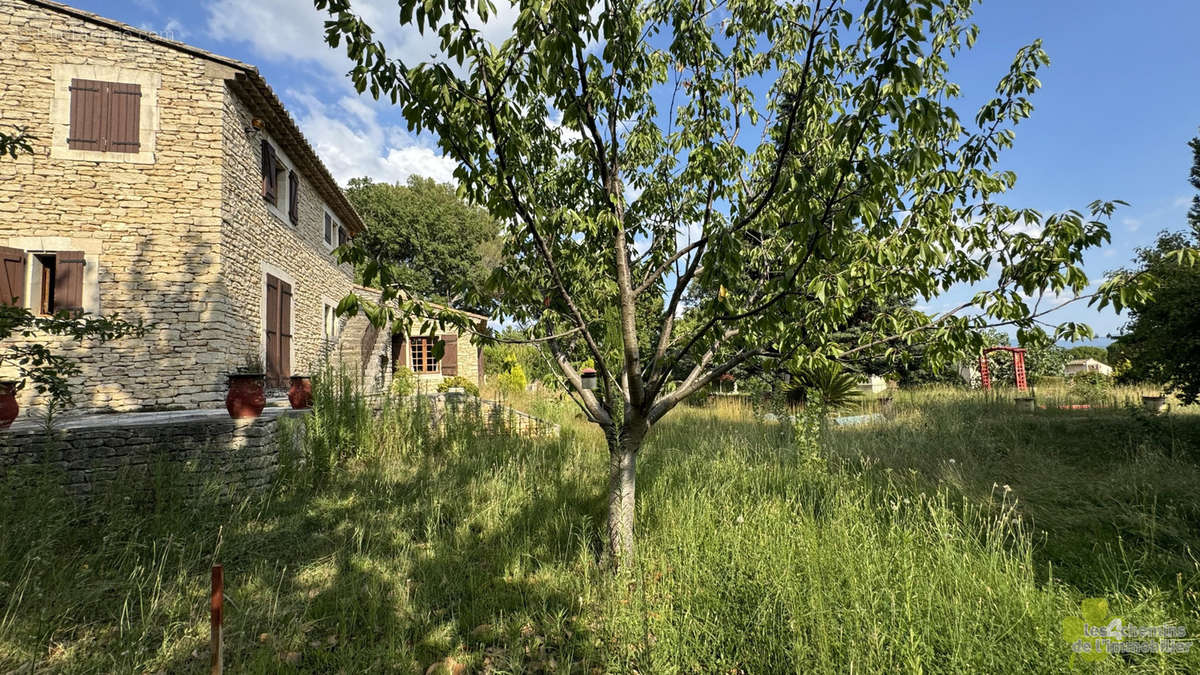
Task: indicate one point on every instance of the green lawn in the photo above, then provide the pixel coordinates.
(955, 537)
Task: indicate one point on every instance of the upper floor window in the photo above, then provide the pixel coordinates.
(342, 236)
(274, 171)
(328, 229)
(104, 113)
(105, 116)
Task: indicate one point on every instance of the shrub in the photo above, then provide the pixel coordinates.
(458, 381)
(404, 382)
(1091, 387)
(512, 381)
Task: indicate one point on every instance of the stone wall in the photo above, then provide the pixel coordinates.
(149, 223)
(196, 447)
(178, 234)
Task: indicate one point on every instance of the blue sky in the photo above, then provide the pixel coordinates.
(1118, 104)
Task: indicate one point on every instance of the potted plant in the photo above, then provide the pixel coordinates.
(9, 409)
(247, 396)
(300, 391)
(1154, 404)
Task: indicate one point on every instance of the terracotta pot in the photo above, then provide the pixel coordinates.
(246, 398)
(8, 403)
(300, 392)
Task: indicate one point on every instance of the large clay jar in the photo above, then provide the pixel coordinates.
(246, 398)
(8, 403)
(300, 392)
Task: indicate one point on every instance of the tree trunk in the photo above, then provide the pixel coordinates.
(623, 447)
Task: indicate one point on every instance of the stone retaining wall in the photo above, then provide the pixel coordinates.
(195, 446)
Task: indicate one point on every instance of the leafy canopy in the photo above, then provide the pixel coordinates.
(436, 242)
(790, 161)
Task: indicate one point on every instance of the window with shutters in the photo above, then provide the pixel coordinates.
(104, 113)
(280, 183)
(105, 116)
(421, 354)
(57, 282)
(342, 236)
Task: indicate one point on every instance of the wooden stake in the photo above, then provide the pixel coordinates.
(217, 614)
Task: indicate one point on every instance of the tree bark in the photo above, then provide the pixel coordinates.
(623, 447)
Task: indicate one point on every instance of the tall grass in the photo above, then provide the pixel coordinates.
(389, 547)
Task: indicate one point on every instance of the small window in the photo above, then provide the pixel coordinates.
(342, 237)
(105, 116)
(331, 323)
(421, 351)
(57, 282)
(328, 229)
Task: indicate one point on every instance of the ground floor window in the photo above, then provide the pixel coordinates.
(421, 351)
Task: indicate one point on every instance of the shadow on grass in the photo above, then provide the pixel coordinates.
(477, 551)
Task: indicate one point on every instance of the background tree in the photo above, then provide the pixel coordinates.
(1088, 352)
(634, 149)
(1161, 341)
(437, 244)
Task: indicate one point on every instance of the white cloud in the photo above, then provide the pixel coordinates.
(1132, 223)
(344, 128)
(1182, 200)
(299, 35)
(351, 140)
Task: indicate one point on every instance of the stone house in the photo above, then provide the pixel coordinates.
(170, 185)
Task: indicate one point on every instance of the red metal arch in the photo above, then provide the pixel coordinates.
(1018, 353)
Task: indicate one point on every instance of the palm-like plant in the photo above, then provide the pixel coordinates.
(837, 388)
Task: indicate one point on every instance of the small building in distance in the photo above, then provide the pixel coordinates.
(1081, 366)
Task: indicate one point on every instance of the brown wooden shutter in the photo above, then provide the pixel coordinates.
(269, 175)
(12, 276)
(450, 357)
(89, 115)
(293, 197)
(68, 281)
(272, 326)
(399, 351)
(285, 331)
(124, 110)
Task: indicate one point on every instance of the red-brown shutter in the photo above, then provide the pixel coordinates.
(124, 109)
(68, 281)
(285, 331)
(269, 176)
(293, 197)
(450, 357)
(89, 115)
(272, 326)
(12, 276)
